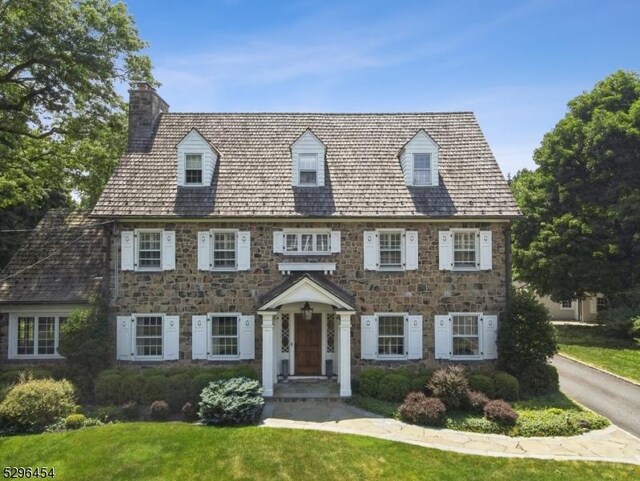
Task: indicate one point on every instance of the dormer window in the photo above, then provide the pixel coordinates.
(422, 169)
(308, 169)
(193, 169)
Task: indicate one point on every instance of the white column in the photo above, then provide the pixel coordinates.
(345, 352)
(268, 354)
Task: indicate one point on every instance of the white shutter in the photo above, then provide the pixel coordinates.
(243, 245)
(593, 305)
(124, 342)
(204, 250)
(199, 335)
(411, 250)
(443, 337)
(336, 237)
(445, 250)
(371, 250)
(415, 338)
(127, 247)
(320, 174)
(247, 334)
(295, 170)
(168, 250)
(490, 337)
(171, 328)
(278, 242)
(368, 337)
(434, 169)
(486, 262)
(181, 168)
(13, 335)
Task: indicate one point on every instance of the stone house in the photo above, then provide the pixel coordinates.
(305, 244)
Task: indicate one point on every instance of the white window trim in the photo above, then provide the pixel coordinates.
(413, 160)
(136, 250)
(480, 337)
(387, 357)
(210, 316)
(134, 337)
(453, 249)
(300, 169)
(403, 249)
(212, 233)
(566, 308)
(13, 346)
(193, 184)
(299, 233)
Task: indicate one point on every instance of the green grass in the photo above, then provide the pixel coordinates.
(552, 415)
(594, 345)
(148, 451)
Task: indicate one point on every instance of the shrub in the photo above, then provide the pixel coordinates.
(635, 327)
(420, 409)
(155, 387)
(482, 383)
(234, 402)
(201, 381)
(179, 391)
(34, 404)
(500, 412)
(369, 381)
(109, 414)
(539, 379)
(108, 389)
(373, 405)
(131, 411)
(450, 385)
(189, 412)
(75, 421)
(420, 379)
(159, 411)
(476, 401)
(619, 320)
(526, 336)
(506, 387)
(393, 388)
(132, 388)
(86, 343)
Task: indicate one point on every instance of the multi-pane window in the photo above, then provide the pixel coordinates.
(224, 335)
(566, 304)
(307, 243)
(391, 337)
(284, 344)
(224, 250)
(390, 249)
(149, 336)
(149, 250)
(193, 168)
(308, 165)
(37, 335)
(465, 250)
(601, 303)
(331, 332)
(466, 335)
(422, 169)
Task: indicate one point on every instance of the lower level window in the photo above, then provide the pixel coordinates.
(149, 336)
(391, 336)
(466, 335)
(566, 304)
(37, 335)
(224, 335)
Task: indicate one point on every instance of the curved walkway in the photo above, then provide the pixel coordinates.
(611, 444)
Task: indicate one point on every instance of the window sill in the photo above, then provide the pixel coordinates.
(35, 357)
(310, 253)
(148, 270)
(147, 358)
(288, 267)
(467, 358)
(223, 358)
(391, 269)
(391, 358)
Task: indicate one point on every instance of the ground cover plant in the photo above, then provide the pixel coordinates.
(151, 451)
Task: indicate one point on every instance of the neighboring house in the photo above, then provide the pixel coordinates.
(585, 310)
(306, 244)
(56, 270)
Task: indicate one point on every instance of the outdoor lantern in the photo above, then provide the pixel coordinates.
(307, 312)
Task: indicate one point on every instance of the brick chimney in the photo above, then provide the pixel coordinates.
(145, 107)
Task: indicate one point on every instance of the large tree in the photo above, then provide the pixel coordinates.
(581, 231)
(62, 122)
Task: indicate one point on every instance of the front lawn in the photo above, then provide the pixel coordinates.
(552, 415)
(148, 451)
(594, 345)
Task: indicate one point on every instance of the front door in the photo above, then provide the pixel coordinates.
(308, 345)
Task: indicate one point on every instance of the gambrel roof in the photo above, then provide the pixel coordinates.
(60, 262)
(363, 174)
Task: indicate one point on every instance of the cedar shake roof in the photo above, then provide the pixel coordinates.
(66, 259)
(363, 174)
(319, 279)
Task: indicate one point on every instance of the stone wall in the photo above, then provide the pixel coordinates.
(186, 291)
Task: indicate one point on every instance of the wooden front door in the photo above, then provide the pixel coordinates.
(308, 345)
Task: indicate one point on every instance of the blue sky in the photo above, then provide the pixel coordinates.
(515, 64)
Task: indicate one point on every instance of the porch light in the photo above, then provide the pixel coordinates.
(307, 312)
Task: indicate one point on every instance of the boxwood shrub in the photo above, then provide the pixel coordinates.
(506, 387)
(393, 387)
(483, 383)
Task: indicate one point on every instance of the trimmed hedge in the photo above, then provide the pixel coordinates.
(506, 387)
(483, 383)
(393, 388)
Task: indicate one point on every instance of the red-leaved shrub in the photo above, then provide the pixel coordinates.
(420, 409)
(500, 412)
(476, 401)
(450, 385)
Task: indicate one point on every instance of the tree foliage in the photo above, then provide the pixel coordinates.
(581, 231)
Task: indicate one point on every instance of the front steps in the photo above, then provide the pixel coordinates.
(306, 390)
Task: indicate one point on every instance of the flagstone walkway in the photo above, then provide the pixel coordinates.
(610, 444)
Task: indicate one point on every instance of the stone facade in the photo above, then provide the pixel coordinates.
(186, 291)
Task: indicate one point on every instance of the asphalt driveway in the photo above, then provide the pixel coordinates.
(614, 398)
